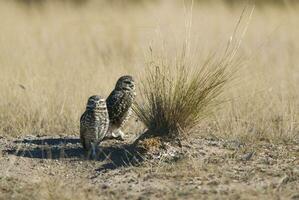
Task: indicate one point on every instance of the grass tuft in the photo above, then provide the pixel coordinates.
(175, 101)
(177, 95)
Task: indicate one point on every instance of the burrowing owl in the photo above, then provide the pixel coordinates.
(119, 104)
(94, 124)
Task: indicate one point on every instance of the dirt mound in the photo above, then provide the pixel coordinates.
(46, 167)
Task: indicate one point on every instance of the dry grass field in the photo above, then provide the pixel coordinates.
(53, 56)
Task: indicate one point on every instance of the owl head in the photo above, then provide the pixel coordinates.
(125, 83)
(95, 102)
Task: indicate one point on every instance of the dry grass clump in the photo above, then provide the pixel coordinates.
(177, 95)
(176, 100)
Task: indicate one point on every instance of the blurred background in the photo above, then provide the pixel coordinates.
(56, 53)
(229, 2)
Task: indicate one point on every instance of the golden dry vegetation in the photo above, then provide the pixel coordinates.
(56, 54)
(53, 57)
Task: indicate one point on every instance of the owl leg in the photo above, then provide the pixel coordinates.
(118, 135)
(93, 150)
(87, 150)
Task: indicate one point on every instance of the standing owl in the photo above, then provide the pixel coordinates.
(119, 104)
(94, 124)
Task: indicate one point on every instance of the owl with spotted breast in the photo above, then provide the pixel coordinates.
(94, 124)
(119, 105)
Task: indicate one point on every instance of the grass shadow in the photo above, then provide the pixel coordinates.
(124, 155)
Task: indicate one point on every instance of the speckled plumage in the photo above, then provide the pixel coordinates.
(119, 104)
(94, 123)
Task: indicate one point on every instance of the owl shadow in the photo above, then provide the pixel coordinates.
(113, 154)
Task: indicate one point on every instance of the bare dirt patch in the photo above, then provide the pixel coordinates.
(54, 168)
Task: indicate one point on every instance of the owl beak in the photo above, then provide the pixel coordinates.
(127, 88)
(132, 86)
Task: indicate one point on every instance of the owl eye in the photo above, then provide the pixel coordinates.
(127, 82)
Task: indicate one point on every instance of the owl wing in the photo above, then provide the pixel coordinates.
(82, 129)
(126, 117)
(114, 98)
(104, 125)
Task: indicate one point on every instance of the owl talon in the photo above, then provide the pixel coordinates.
(120, 138)
(119, 135)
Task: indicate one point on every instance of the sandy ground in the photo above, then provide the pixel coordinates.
(54, 168)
